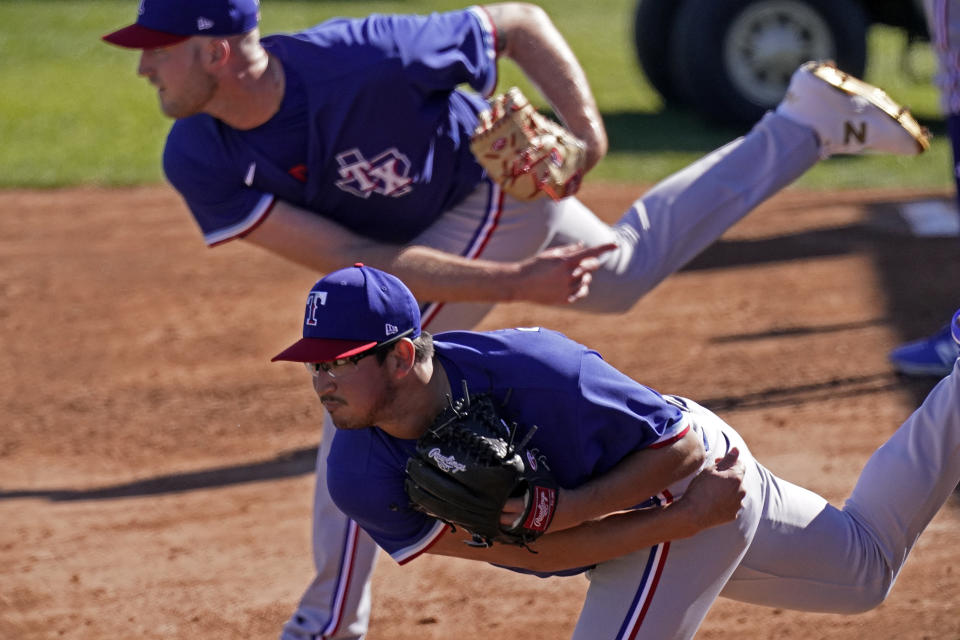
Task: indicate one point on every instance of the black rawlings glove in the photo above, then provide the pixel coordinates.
(466, 467)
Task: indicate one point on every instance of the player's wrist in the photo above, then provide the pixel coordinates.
(685, 518)
(569, 510)
(513, 280)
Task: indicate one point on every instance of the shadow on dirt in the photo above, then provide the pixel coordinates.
(918, 275)
(286, 465)
(781, 396)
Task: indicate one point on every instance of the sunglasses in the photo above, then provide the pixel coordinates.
(340, 367)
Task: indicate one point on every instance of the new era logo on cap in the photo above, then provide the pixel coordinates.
(204, 23)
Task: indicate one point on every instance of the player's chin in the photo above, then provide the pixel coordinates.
(169, 109)
(331, 407)
(347, 424)
(341, 418)
(174, 108)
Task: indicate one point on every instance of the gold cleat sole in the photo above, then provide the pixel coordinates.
(828, 72)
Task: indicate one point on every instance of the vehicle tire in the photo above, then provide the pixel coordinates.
(732, 59)
(652, 25)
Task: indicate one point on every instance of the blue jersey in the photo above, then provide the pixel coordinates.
(589, 417)
(372, 132)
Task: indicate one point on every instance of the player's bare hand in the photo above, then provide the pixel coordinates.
(716, 495)
(514, 508)
(560, 275)
(512, 511)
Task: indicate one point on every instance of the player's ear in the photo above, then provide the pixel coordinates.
(401, 358)
(217, 52)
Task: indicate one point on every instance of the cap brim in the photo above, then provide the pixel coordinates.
(137, 37)
(322, 350)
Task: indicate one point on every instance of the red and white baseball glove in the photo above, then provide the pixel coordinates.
(525, 152)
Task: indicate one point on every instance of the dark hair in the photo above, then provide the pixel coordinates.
(422, 344)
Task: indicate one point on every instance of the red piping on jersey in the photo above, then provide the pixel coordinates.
(427, 547)
(256, 224)
(496, 51)
(246, 232)
(660, 445)
(493, 30)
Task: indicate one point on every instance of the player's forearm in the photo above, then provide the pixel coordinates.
(640, 475)
(324, 246)
(527, 36)
(439, 276)
(559, 275)
(588, 544)
(714, 497)
(614, 536)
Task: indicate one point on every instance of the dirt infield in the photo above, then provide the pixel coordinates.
(155, 466)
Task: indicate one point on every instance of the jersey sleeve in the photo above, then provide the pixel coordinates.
(623, 414)
(211, 184)
(366, 482)
(444, 50)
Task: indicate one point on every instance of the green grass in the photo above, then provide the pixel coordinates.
(73, 111)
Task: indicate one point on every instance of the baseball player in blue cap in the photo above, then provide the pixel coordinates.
(701, 530)
(350, 141)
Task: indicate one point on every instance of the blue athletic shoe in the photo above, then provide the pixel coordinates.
(932, 356)
(955, 327)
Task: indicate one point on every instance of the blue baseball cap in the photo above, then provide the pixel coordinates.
(352, 310)
(161, 23)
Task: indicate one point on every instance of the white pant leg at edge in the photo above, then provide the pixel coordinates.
(336, 605)
(809, 555)
(626, 599)
(688, 211)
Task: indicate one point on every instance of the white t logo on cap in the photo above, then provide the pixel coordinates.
(315, 298)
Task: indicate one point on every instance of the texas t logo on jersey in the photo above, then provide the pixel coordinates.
(314, 300)
(385, 174)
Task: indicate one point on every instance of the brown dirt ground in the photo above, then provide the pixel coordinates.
(155, 467)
